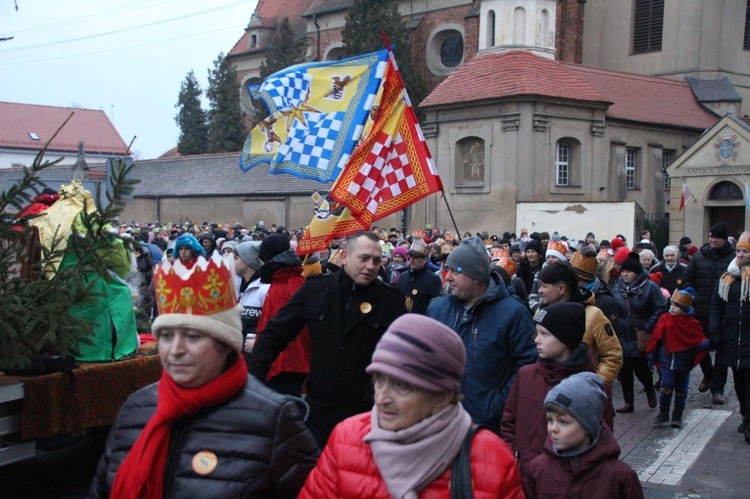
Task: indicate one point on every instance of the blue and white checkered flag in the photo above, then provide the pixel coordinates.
(317, 114)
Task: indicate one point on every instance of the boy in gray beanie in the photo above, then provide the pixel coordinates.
(576, 433)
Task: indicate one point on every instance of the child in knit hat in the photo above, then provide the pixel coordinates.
(677, 345)
(580, 456)
(559, 336)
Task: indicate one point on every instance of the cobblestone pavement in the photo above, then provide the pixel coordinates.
(706, 458)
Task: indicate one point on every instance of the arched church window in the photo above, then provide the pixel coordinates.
(726, 191)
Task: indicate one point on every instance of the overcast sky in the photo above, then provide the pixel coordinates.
(125, 57)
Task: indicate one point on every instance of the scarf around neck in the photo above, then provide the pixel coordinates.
(731, 275)
(412, 458)
(679, 333)
(141, 473)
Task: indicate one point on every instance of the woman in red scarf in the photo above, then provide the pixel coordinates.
(206, 428)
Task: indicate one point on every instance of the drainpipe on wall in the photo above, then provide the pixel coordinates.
(317, 29)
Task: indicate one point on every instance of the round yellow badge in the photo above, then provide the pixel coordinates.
(414, 291)
(205, 462)
(365, 307)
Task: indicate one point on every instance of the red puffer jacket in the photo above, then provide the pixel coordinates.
(347, 468)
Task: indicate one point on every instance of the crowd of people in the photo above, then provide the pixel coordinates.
(417, 365)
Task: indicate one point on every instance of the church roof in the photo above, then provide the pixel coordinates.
(325, 6)
(714, 90)
(509, 74)
(22, 122)
(270, 13)
(631, 97)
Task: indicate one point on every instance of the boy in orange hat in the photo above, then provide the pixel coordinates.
(677, 345)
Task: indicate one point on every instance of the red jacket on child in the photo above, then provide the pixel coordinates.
(524, 425)
(596, 473)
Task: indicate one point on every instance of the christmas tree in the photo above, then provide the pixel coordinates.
(37, 293)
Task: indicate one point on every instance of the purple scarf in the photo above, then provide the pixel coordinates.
(410, 459)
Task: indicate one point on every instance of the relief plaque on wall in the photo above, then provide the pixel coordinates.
(470, 162)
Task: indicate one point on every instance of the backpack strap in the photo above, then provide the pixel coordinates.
(461, 482)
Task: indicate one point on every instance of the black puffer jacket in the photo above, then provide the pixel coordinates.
(703, 272)
(729, 320)
(259, 437)
(527, 273)
(640, 305)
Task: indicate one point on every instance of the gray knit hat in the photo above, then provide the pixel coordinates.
(422, 352)
(583, 396)
(470, 258)
(249, 253)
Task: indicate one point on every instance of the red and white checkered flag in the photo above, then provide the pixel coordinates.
(392, 168)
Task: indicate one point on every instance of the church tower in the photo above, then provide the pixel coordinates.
(518, 25)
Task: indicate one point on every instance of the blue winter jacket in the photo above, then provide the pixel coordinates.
(497, 332)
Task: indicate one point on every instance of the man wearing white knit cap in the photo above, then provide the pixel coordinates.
(495, 329)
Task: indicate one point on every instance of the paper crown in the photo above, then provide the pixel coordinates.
(418, 247)
(683, 298)
(501, 258)
(206, 288)
(557, 248)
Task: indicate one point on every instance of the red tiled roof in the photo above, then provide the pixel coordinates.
(172, 153)
(91, 126)
(515, 73)
(646, 99)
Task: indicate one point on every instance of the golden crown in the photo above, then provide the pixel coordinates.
(682, 299)
(204, 289)
(501, 258)
(559, 246)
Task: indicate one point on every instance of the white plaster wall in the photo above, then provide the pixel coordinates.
(575, 220)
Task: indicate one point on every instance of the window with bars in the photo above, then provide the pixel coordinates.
(631, 155)
(452, 51)
(666, 159)
(562, 164)
(648, 25)
(746, 42)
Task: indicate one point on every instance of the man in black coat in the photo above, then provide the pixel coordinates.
(702, 274)
(346, 313)
(672, 270)
(419, 284)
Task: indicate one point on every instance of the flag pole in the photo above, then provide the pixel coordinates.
(387, 43)
(450, 212)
